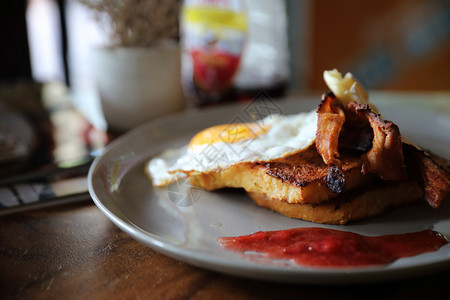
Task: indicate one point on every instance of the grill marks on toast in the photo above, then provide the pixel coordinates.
(300, 178)
(306, 167)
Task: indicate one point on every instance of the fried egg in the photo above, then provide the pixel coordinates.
(221, 146)
(273, 137)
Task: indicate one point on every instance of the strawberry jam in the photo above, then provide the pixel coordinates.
(321, 247)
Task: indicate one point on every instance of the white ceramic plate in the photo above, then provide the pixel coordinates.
(184, 222)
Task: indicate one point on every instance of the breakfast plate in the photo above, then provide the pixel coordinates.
(185, 222)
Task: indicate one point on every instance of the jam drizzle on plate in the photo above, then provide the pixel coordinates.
(322, 247)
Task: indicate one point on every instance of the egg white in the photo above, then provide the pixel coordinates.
(286, 135)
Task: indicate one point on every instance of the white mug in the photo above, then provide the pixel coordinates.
(136, 85)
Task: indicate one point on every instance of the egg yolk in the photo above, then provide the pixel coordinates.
(228, 133)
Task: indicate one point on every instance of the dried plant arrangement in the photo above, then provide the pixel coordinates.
(137, 23)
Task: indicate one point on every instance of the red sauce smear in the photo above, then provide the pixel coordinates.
(321, 247)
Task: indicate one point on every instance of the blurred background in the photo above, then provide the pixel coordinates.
(387, 44)
(401, 45)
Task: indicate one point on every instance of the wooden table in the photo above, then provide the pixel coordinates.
(74, 252)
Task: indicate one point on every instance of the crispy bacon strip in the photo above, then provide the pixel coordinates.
(331, 118)
(434, 179)
(379, 143)
(385, 158)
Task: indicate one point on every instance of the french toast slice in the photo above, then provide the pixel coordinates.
(362, 203)
(300, 178)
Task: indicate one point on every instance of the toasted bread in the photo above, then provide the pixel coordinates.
(296, 187)
(358, 204)
(300, 178)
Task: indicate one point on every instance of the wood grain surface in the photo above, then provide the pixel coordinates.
(75, 252)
